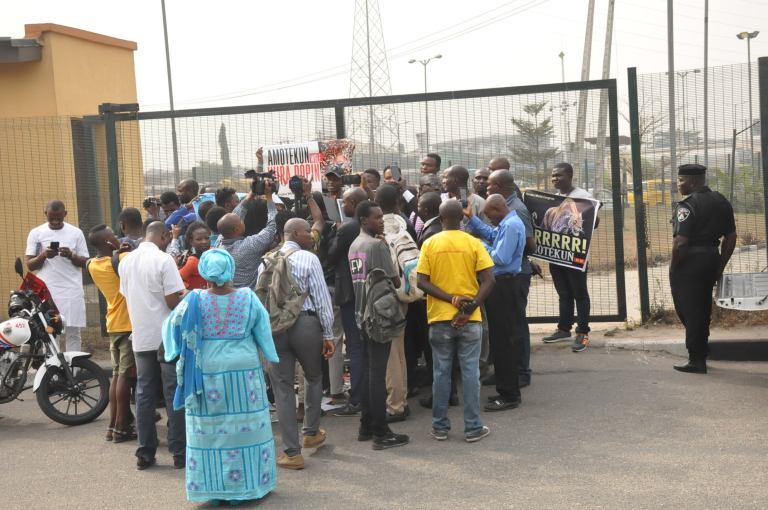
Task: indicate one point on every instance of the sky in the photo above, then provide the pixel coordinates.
(235, 52)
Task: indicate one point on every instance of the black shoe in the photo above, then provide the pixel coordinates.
(143, 463)
(390, 440)
(179, 461)
(489, 380)
(501, 404)
(426, 402)
(453, 400)
(394, 418)
(364, 434)
(558, 336)
(491, 398)
(692, 367)
(348, 410)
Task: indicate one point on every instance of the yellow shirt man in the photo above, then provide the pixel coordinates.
(108, 283)
(452, 260)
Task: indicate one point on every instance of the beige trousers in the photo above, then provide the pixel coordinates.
(397, 375)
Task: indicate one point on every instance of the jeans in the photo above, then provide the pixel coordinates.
(446, 342)
(355, 349)
(303, 342)
(373, 404)
(504, 332)
(152, 377)
(571, 286)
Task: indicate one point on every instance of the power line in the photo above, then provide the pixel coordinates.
(343, 69)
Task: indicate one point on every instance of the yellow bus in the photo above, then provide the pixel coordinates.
(656, 192)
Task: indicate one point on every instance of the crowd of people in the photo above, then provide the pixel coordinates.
(221, 305)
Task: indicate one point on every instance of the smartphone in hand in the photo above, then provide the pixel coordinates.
(397, 174)
(463, 197)
(54, 245)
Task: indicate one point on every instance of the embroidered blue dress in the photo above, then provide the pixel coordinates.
(230, 448)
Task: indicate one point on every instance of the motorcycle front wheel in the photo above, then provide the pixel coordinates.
(78, 403)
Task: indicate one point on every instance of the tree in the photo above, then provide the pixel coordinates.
(535, 149)
(226, 163)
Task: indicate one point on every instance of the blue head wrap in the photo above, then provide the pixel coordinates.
(217, 266)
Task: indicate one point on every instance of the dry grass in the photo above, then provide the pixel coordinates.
(750, 227)
(721, 318)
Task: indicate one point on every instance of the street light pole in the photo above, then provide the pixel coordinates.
(749, 36)
(176, 174)
(424, 63)
(682, 75)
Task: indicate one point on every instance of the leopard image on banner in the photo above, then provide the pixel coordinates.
(563, 227)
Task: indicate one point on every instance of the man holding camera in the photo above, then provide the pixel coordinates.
(248, 251)
(57, 251)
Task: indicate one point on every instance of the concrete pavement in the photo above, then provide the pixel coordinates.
(606, 428)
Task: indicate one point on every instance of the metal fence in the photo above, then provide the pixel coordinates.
(726, 139)
(116, 159)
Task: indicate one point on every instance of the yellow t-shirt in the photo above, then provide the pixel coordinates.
(452, 259)
(108, 284)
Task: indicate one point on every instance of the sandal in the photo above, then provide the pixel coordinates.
(122, 436)
(110, 434)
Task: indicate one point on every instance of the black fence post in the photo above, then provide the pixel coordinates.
(113, 170)
(341, 126)
(762, 65)
(637, 190)
(618, 210)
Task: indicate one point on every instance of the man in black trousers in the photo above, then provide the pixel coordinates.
(701, 219)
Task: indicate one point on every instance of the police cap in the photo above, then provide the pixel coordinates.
(691, 169)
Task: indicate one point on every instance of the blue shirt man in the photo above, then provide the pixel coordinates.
(505, 322)
(507, 240)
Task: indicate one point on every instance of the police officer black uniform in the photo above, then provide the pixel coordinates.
(700, 220)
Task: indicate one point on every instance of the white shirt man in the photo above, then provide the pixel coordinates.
(150, 282)
(147, 275)
(60, 268)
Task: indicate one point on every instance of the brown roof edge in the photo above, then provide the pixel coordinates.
(36, 30)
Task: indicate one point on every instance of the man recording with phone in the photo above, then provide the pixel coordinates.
(455, 185)
(57, 251)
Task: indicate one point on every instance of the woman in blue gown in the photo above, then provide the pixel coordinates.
(217, 335)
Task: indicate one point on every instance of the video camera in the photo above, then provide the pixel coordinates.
(257, 185)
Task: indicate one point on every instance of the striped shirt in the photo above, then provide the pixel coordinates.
(308, 273)
(248, 251)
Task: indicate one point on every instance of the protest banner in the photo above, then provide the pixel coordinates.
(563, 227)
(309, 159)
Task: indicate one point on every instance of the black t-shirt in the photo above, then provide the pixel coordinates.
(703, 217)
(338, 250)
(326, 238)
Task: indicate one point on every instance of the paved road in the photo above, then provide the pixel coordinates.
(601, 429)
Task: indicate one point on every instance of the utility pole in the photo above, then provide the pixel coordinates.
(581, 118)
(706, 83)
(601, 120)
(176, 173)
(671, 80)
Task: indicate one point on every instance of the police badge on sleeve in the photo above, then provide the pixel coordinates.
(682, 214)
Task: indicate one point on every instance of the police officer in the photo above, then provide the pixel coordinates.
(700, 220)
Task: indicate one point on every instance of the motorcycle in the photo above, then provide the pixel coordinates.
(70, 388)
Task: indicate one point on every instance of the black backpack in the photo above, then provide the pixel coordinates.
(383, 319)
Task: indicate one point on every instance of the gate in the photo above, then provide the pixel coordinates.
(535, 126)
